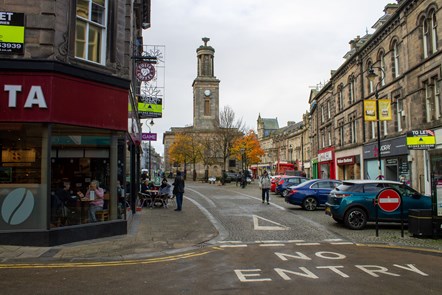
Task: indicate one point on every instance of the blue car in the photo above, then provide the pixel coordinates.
(286, 181)
(352, 203)
(312, 193)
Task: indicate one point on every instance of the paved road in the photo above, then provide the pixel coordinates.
(260, 249)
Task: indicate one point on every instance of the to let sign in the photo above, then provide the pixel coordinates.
(389, 200)
(149, 136)
(421, 139)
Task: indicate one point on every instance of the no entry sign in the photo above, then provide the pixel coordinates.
(389, 200)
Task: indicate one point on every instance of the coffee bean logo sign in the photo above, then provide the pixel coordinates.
(17, 206)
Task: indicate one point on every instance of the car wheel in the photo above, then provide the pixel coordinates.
(355, 218)
(310, 204)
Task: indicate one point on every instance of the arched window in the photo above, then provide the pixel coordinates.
(381, 62)
(340, 97)
(425, 36)
(433, 22)
(351, 89)
(395, 58)
(206, 107)
(370, 83)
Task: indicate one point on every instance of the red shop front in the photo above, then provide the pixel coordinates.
(62, 126)
(326, 163)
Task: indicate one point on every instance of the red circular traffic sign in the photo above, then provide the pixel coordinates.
(389, 200)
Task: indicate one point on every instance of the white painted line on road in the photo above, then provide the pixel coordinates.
(295, 241)
(231, 242)
(332, 240)
(272, 245)
(261, 227)
(342, 243)
(307, 244)
(233, 246)
(211, 203)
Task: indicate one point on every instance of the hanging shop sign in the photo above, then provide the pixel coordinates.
(150, 107)
(12, 32)
(421, 139)
(145, 71)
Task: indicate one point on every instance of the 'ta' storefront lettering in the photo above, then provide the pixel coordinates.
(35, 96)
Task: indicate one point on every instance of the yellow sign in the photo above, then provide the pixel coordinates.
(150, 107)
(384, 110)
(421, 139)
(370, 110)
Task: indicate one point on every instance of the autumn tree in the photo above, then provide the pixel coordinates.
(248, 147)
(186, 148)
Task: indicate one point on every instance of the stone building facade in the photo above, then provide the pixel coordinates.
(404, 52)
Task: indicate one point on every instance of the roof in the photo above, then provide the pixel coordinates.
(270, 124)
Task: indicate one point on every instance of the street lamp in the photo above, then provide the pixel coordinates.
(372, 76)
(150, 150)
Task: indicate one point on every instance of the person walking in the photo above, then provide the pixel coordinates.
(178, 190)
(265, 187)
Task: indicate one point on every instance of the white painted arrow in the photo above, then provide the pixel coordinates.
(260, 227)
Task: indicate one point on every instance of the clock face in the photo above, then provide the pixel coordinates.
(207, 92)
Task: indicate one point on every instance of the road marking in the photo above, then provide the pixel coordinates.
(272, 245)
(261, 227)
(307, 244)
(234, 246)
(106, 263)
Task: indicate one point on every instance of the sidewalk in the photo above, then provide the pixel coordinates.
(151, 232)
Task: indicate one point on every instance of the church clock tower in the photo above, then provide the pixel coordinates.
(205, 90)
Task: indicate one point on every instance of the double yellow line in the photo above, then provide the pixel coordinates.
(107, 263)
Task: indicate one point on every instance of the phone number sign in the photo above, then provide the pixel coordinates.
(12, 32)
(421, 139)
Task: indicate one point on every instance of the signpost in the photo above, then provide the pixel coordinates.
(389, 200)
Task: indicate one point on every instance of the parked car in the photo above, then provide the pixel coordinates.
(352, 202)
(273, 182)
(230, 176)
(287, 181)
(311, 194)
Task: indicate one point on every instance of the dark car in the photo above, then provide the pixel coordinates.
(312, 193)
(230, 176)
(353, 202)
(287, 181)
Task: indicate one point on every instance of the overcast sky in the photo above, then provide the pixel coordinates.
(268, 54)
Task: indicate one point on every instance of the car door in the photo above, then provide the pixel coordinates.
(322, 190)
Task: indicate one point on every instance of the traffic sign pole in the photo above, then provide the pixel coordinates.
(389, 200)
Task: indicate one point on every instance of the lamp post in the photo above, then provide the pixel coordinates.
(150, 150)
(372, 76)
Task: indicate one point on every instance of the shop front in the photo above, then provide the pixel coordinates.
(61, 132)
(326, 163)
(348, 164)
(394, 160)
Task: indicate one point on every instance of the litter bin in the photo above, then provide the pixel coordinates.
(420, 222)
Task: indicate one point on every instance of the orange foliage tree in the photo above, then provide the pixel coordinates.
(247, 145)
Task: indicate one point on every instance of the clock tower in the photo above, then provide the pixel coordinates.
(205, 90)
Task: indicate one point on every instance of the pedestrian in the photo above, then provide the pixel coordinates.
(265, 186)
(178, 190)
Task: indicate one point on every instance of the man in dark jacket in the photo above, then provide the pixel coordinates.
(178, 190)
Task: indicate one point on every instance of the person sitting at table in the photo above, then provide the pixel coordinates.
(146, 186)
(165, 191)
(95, 194)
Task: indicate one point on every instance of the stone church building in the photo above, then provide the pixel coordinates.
(205, 115)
